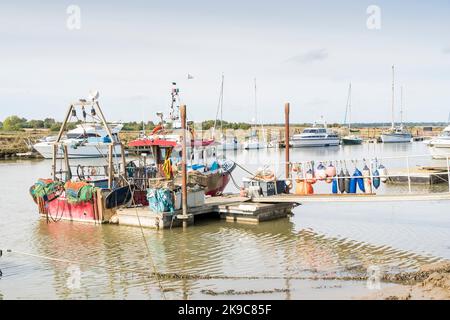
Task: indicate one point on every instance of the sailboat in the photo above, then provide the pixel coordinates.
(396, 133)
(350, 139)
(253, 141)
(226, 142)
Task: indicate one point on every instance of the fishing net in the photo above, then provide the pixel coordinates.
(44, 187)
(79, 191)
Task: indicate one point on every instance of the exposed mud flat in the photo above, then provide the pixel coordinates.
(431, 282)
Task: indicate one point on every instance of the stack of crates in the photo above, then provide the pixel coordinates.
(266, 188)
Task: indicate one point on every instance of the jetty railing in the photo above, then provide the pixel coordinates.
(440, 168)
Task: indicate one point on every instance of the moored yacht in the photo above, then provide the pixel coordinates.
(315, 137)
(440, 146)
(87, 140)
(396, 133)
(350, 139)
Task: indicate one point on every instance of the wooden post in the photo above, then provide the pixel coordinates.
(286, 138)
(63, 126)
(105, 124)
(55, 146)
(183, 166)
(124, 162)
(110, 166)
(66, 160)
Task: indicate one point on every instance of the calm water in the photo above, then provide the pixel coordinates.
(318, 241)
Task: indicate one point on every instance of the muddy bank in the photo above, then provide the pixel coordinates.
(431, 282)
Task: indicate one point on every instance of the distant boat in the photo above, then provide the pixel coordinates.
(315, 136)
(440, 146)
(226, 142)
(229, 143)
(350, 139)
(253, 141)
(396, 133)
(87, 140)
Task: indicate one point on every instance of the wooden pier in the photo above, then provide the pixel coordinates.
(232, 208)
(363, 197)
(419, 175)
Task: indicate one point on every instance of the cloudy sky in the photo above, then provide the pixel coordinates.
(304, 52)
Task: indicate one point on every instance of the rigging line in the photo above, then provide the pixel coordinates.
(173, 275)
(155, 271)
(249, 172)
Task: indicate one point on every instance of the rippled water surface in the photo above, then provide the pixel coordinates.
(305, 256)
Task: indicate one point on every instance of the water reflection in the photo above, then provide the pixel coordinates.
(319, 241)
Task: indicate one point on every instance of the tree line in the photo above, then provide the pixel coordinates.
(16, 123)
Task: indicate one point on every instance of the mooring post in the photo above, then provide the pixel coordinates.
(54, 150)
(183, 166)
(286, 138)
(409, 174)
(110, 166)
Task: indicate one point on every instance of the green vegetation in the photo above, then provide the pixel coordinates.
(16, 123)
(208, 124)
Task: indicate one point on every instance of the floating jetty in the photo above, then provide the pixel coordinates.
(232, 208)
(293, 198)
(419, 175)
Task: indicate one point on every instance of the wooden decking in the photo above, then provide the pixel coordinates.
(289, 198)
(231, 208)
(418, 175)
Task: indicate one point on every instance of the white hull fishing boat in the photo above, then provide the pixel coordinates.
(87, 140)
(396, 134)
(350, 139)
(440, 146)
(315, 137)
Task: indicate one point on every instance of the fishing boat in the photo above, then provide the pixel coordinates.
(315, 136)
(253, 141)
(396, 134)
(87, 193)
(440, 145)
(164, 144)
(350, 139)
(87, 140)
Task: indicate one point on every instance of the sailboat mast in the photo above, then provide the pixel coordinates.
(256, 106)
(349, 106)
(401, 106)
(393, 124)
(221, 104)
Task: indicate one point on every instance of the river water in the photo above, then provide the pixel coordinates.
(305, 256)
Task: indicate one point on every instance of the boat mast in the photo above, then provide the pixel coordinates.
(256, 107)
(349, 106)
(393, 124)
(220, 108)
(401, 106)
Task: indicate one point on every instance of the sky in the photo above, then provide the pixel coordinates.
(302, 52)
